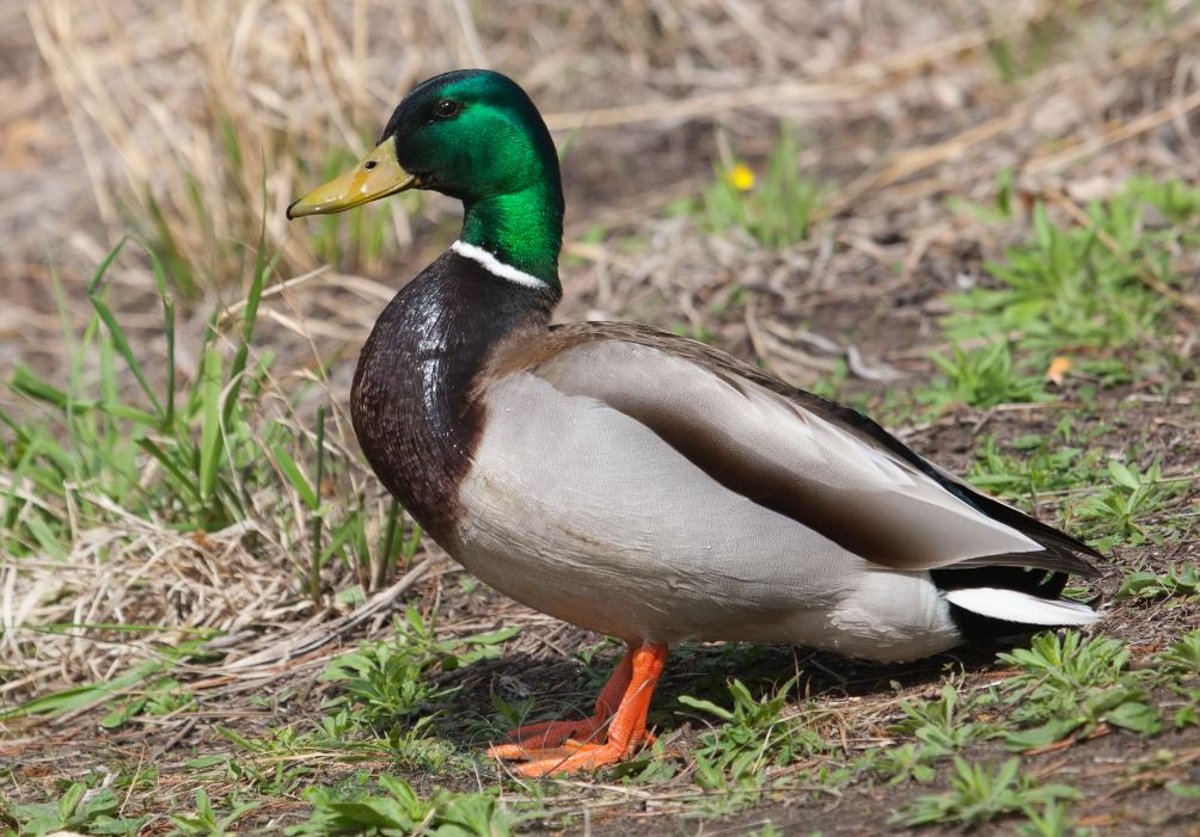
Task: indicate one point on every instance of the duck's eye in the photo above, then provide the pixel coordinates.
(446, 108)
(370, 164)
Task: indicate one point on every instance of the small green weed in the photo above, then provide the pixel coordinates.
(1184, 655)
(390, 680)
(753, 735)
(270, 777)
(1180, 669)
(161, 697)
(80, 808)
(207, 821)
(1068, 685)
(1127, 497)
(1035, 465)
(940, 724)
(1079, 289)
(1184, 791)
(1117, 498)
(900, 764)
(1052, 820)
(776, 210)
(388, 805)
(983, 378)
(978, 795)
(940, 727)
(1182, 582)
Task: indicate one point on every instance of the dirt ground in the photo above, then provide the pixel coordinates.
(905, 118)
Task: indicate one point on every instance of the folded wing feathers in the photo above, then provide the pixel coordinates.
(855, 450)
(1060, 549)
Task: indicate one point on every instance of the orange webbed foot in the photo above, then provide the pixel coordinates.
(569, 759)
(567, 746)
(546, 735)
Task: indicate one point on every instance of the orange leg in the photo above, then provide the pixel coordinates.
(635, 679)
(547, 734)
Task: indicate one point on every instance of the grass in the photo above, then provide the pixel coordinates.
(773, 209)
(187, 452)
(188, 535)
(1068, 686)
(1104, 501)
(389, 682)
(397, 809)
(754, 736)
(979, 794)
(941, 725)
(78, 808)
(1090, 291)
(1182, 581)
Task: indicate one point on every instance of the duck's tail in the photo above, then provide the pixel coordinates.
(999, 601)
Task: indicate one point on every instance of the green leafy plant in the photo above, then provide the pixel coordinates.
(1088, 289)
(1183, 656)
(390, 680)
(95, 810)
(1035, 465)
(1068, 685)
(905, 762)
(161, 697)
(1050, 820)
(940, 724)
(978, 795)
(753, 734)
(352, 808)
(1182, 581)
(1064, 287)
(206, 820)
(776, 210)
(1128, 497)
(1184, 791)
(982, 378)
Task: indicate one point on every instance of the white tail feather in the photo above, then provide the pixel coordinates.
(1015, 606)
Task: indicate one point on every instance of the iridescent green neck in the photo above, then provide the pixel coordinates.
(522, 229)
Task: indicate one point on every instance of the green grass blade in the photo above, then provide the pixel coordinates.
(102, 268)
(211, 437)
(121, 343)
(295, 476)
(183, 480)
(314, 577)
(168, 304)
(249, 315)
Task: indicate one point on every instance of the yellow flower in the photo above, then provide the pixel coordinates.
(741, 177)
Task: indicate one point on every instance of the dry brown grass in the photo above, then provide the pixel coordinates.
(203, 114)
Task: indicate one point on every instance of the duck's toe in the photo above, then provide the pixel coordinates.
(572, 757)
(547, 735)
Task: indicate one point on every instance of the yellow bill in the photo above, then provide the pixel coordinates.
(376, 175)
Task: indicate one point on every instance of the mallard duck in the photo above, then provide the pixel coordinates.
(637, 483)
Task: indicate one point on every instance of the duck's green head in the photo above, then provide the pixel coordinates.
(476, 136)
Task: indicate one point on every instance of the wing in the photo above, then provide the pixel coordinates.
(826, 467)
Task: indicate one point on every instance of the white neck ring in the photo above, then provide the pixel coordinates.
(496, 267)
